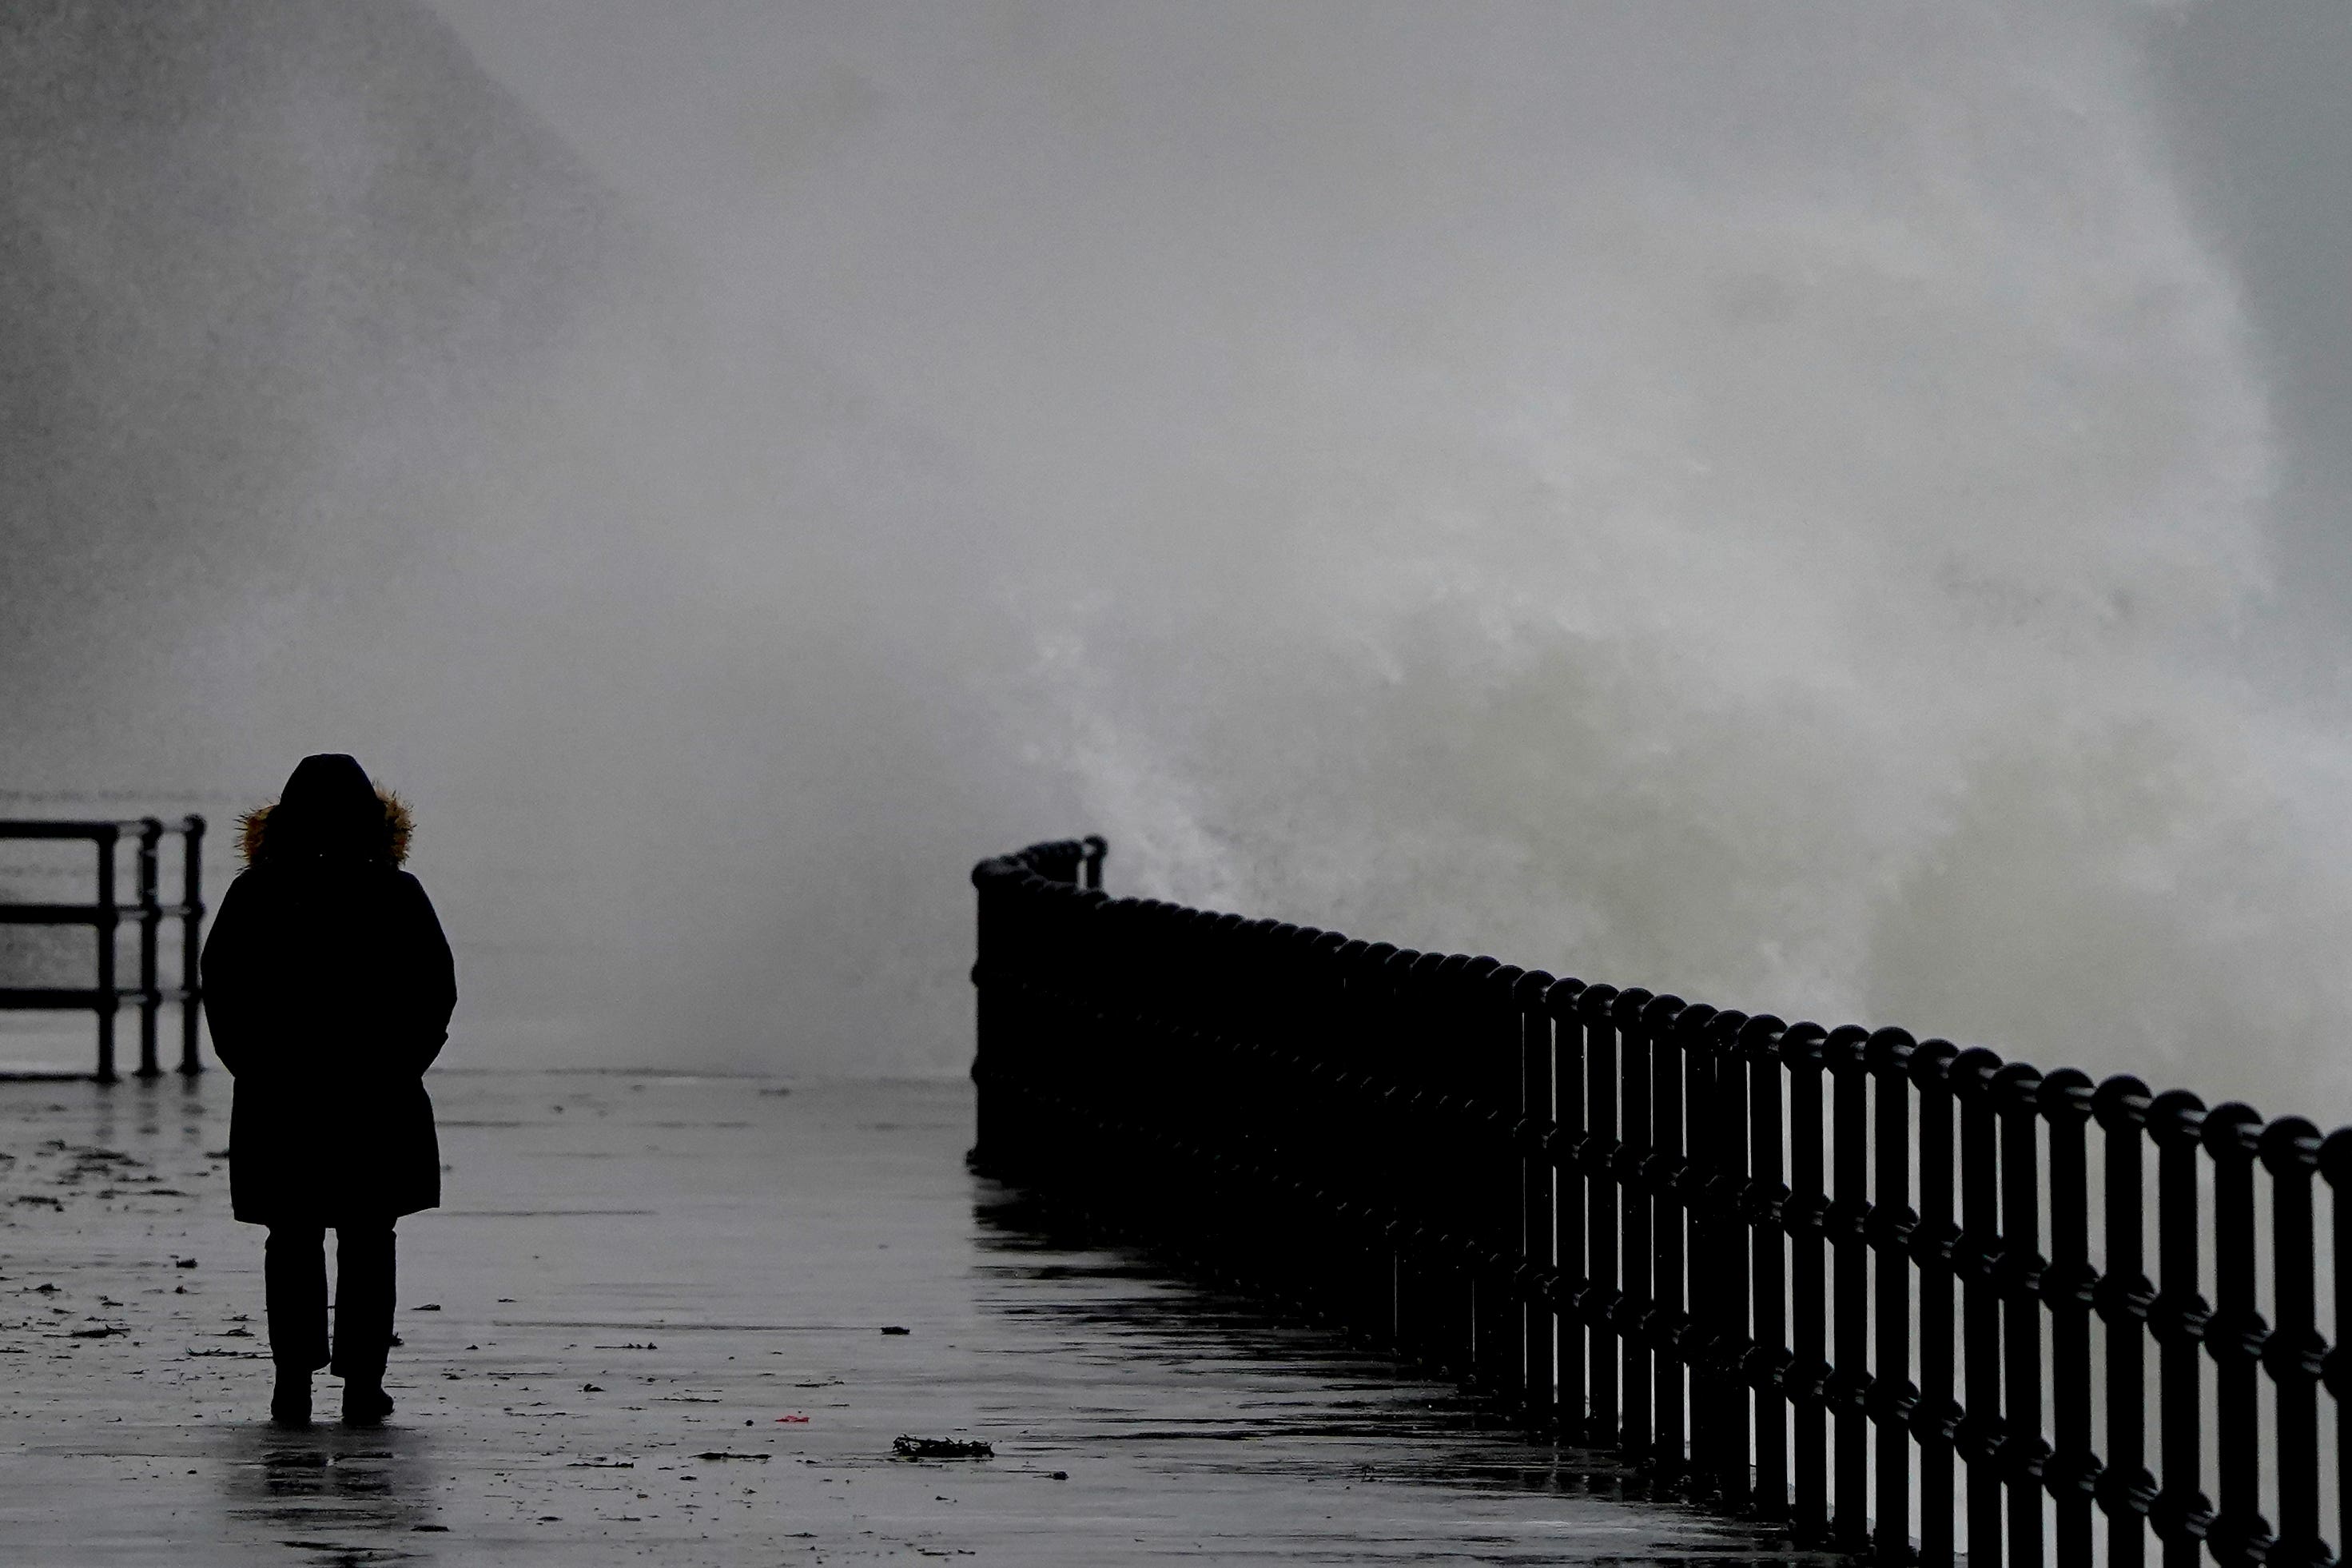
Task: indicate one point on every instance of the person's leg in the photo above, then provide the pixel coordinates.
(364, 1300)
(294, 1284)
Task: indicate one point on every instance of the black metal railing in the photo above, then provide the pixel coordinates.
(106, 913)
(1871, 1287)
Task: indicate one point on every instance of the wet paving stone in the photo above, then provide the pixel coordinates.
(687, 1320)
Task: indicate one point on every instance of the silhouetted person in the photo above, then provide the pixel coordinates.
(329, 987)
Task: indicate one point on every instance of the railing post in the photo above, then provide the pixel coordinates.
(1056, 1138)
(1705, 1280)
(1979, 1434)
(2235, 1338)
(192, 915)
(1332, 1175)
(1373, 988)
(1672, 1216)
(1105, 1075)
(151, 911)
(991, 1037)
(1728, 1242)
(1892, 1397)
(1802, 1049)
(2181, 1514)
(1765, 1209)
(2125, 1488)
(1301, 1067)
(1539, 1274)
(1366, 1295)
(2335, 1166)
(1243, 1107)
(1454, 1211)
(1602, 1298)
(1257, 1112)
(1640, 1247)
(1848, 1218)
(1491, 1102)
(1936, 1417)
(1119, 1082)
(2290, 1151)
(2071, 1473)
(108, 917)
(2022, 1449)
(1564, 1002)
(1419, 1327)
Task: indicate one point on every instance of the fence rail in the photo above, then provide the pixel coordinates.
(1875, 1288)
(106, 914)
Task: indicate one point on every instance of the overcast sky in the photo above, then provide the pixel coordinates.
(849, 173)
(1823, 505)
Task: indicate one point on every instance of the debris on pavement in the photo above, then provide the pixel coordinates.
(907, 1447)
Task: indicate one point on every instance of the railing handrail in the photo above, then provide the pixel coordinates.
(1077, 861)
(1641, 1181)
(95, 830)
(87, 826)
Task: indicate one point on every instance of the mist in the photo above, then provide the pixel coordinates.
(1788, 505)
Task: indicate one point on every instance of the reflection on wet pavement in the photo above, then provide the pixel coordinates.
(332, 1490)
(683, 1320)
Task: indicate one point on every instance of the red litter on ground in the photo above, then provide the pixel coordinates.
(792, 1417)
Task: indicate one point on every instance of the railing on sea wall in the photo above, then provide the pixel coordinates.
(1890, 1292)
(106, 914)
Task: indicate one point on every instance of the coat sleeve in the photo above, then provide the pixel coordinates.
(226, 968)
(433, 979)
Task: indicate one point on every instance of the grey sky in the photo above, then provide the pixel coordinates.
(1774, 502)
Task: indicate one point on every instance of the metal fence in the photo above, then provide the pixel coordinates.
(1890, 1292)
(106, 914)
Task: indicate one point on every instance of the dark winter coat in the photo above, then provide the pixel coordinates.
(329, 986)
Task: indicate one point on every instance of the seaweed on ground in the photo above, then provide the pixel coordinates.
(907, 1447)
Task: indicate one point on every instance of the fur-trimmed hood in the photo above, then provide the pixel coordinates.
(336, 786)
(253, 829)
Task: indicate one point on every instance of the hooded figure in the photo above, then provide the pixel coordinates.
(329, 986)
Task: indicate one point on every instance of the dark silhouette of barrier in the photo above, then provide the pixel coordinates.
(105, 914)
(1690, 1234)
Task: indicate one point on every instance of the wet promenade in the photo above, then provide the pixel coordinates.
(681, 1321)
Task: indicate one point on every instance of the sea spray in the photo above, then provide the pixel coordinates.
(1807, 580)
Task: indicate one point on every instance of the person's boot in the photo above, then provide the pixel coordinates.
(365, 1404)
(289, 1402)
